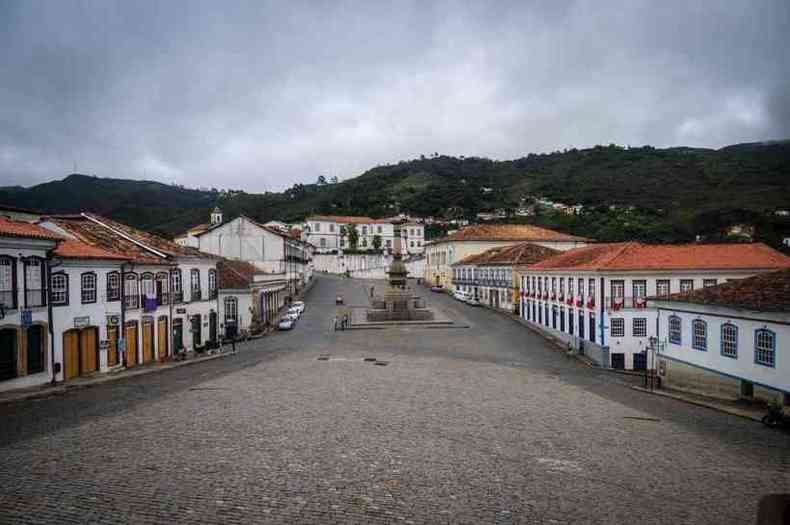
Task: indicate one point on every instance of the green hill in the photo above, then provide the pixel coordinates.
(675, 193)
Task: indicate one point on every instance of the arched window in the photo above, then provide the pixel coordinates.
(113, 286)
(162, 288)
(131, 291)
(195, 294)
(178, 290)
(675, 330)
(7, 282)
(699, 335)
(765, 347)
(35, 291)
(60, 289)
(729, 340)
(88, 287)
(212, 283)
(231, 310)
(148, 291)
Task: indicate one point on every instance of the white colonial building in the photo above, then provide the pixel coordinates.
(328, 233)
(442, 253)
(489, 276)
(25, 342)
(595, 297)
(160, 300)
(730, 340)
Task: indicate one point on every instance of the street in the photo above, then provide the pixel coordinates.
(481, 422)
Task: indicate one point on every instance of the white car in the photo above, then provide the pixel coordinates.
(461, 296)
(300, 305)
(291, 315)
(286, 323)
(295, 310)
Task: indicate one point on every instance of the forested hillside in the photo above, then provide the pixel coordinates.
(673, 193)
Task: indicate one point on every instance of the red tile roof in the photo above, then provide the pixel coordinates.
(71, 249)
(12, 228)
(347, 219)
(509, 232)
(235, 275)
(633, 256)
(766, 292)
(516, 255)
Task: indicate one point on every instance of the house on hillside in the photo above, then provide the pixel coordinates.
(442, 253)
(490, 276)
(19, 214)
(596, 297)
(327, 232)
(728, 340)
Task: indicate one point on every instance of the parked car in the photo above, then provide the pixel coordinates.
(291, 315)
(339, 299)
(461, 296)
(300, 305)
(295, 310)
(286, 323)
(437, 288)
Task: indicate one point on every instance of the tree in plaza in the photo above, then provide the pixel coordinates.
(353, 236)
(377, 242)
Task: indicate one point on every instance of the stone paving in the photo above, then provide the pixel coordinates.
(485, 424)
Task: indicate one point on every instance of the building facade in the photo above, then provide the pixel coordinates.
(442, 253)
(25, 326)
(489, 276)
(729, 340)
(328, 233)
(595, 298)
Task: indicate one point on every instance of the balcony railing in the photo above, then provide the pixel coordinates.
(626, 303)
(196, 295)
(132, 301)
(178, 297)
(35, 297)
(8, 299)
(212, 294)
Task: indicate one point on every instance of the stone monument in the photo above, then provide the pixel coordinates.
(398, 303)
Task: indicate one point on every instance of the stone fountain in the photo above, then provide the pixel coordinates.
(398, 303)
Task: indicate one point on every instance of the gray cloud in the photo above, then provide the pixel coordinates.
(258, 96)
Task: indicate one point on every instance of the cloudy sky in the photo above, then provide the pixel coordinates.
(260, 95)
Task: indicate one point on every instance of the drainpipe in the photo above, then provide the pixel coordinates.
(48, 277)
(122, 328)
(602, 310)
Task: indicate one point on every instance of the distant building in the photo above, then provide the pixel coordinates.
(19, 214)
(728, 340)
(444, 252)
(596, 298)
(490, 277)
(328, 233)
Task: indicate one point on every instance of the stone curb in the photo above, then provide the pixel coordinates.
(699, 402)
(49, 391)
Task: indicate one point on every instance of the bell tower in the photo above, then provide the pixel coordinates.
(216, 216)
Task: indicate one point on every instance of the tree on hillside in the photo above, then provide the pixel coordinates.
(377, 242)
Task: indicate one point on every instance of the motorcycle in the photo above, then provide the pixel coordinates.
(776, 418)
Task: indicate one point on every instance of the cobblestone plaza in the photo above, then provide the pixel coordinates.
(479, 422)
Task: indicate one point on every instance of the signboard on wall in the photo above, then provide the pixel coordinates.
(113, 320)
(181, 310)
(27, 317)
(122, 345)
(82, 322)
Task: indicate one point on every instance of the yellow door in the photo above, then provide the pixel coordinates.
(131, 345)
(112, 346)
(148, 342)
(161, 344)
(88, 351)
(71, 354)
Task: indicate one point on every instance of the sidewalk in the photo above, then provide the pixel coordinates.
(49, 389)
(735, 408)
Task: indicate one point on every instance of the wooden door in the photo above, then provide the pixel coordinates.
(89, 350)
(148, 342)
(71, 354)
(161, 343)
(112, 345)
(131, 345)
(8, 344)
